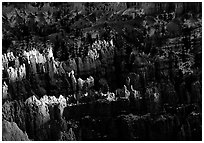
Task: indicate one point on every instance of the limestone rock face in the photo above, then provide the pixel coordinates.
(11, 132)
(15, 111)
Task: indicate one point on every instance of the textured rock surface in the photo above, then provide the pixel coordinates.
(15, 111)
(11, 132)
